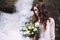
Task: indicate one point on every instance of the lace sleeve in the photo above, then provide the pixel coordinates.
(52, 30)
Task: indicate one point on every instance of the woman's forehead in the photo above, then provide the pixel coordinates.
(35, 7)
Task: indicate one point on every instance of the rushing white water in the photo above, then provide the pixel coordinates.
(10, 24)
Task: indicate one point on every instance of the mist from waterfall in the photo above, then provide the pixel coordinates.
(10, 24)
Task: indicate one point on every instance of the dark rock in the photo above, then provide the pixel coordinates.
(7, 6)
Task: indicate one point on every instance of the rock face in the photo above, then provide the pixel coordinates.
(7, 6)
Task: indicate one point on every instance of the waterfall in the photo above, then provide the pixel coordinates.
(10, 24)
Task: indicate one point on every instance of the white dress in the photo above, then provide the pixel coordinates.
(49, 34)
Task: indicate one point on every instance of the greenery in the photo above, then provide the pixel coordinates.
(30, 30)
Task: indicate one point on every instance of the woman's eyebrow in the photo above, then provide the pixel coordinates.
(35, 9)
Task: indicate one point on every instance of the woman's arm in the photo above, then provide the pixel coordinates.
(52, 30)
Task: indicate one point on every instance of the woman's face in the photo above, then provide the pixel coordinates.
(36, 11)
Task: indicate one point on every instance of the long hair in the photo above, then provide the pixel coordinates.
(42, 13)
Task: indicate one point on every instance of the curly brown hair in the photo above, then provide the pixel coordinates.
(42, 13)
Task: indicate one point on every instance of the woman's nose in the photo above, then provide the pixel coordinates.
(35, 11)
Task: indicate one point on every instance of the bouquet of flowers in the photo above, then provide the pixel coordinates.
(30, 30)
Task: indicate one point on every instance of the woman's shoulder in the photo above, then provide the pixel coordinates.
(51, 19)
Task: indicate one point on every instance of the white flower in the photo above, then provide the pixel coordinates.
(26, 32)
(32, 33)
(26, 29)
(32, 27)
(29, 27)
(36, 24)
(35, 29)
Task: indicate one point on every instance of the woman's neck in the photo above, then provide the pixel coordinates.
(39, 19)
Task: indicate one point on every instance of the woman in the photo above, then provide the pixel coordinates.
(45, 22)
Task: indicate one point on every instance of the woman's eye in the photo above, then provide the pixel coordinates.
(35, 10)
